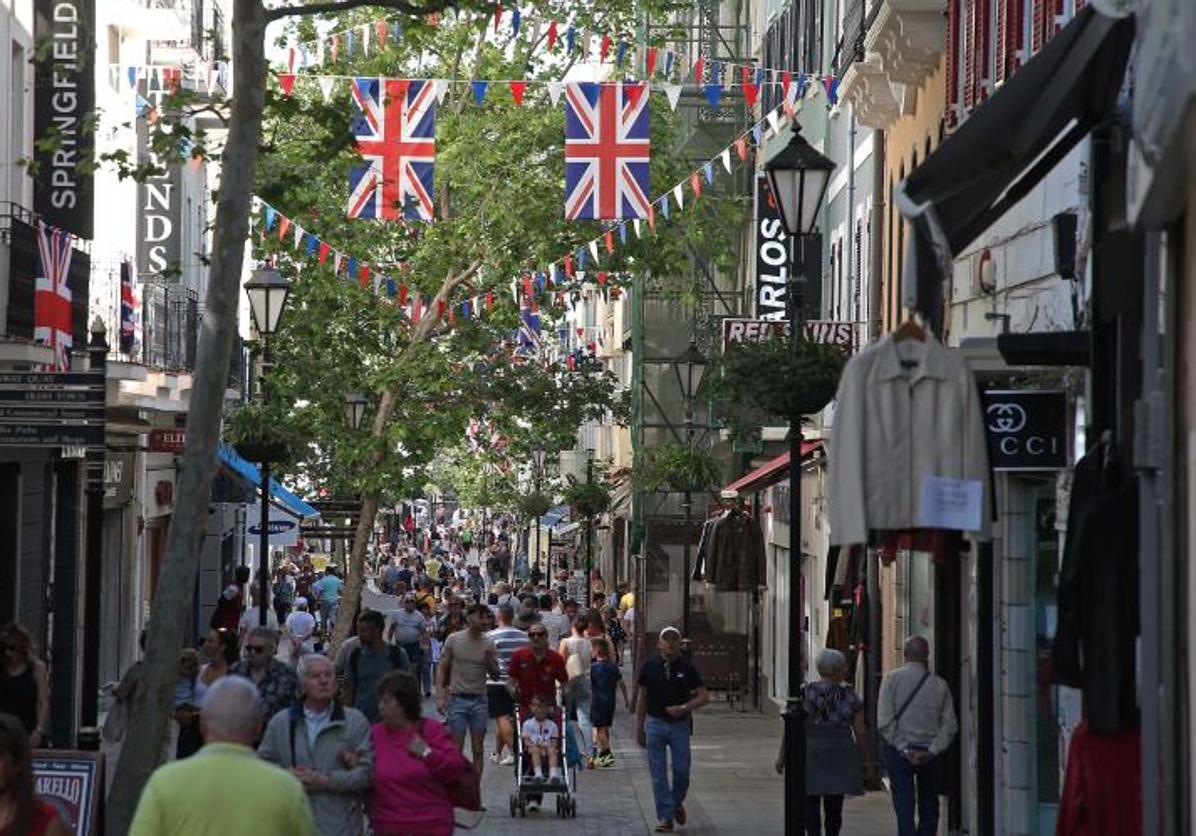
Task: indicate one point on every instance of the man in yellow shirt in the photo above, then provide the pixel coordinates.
(224, 789)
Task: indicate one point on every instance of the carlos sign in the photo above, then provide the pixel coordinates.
(1027, 429)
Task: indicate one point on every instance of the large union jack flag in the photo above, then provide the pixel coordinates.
(52, 295)
(394, 123)
(606, 150)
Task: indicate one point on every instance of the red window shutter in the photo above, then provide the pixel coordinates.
(1015, 35)
(1001, 41)
(969, 54)
(983, 49)
(951, 61)
(1037, 29)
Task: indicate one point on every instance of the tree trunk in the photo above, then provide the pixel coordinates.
(351, 597)
(171, 610)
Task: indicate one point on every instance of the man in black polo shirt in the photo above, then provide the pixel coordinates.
(670, 690)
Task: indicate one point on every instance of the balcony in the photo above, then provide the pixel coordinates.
(903, 42)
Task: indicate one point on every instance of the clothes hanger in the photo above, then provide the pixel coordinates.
(909, 330)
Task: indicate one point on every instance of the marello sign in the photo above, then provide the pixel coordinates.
(284, 527)
(830, 332)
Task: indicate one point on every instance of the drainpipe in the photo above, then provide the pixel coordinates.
(851, 267)
(876, 238)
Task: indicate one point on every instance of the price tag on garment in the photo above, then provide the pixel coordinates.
(951, 503)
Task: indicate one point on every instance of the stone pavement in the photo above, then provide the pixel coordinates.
(734, 788)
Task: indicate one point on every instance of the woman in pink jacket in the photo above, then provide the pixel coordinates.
(415, 764)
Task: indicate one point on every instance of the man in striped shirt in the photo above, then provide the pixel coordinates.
(507, 639)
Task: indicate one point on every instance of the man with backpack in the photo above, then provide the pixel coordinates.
(368, 662)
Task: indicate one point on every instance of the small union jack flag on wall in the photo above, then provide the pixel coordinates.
(394, 123)
(606, 150)
(52, 295)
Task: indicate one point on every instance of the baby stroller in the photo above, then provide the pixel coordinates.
(530, 791)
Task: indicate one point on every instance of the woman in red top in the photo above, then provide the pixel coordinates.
(21, 812)
(415, 764)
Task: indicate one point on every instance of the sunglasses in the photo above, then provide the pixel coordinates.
(256, 648)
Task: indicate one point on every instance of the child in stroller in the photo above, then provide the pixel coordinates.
(541, 739)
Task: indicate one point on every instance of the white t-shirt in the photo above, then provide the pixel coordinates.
(301, 625)
(540, 732)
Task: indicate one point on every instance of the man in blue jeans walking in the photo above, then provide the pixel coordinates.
(916, 718)
(670, 690)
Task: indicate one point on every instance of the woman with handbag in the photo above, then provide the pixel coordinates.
(419, 774)
(836, 745)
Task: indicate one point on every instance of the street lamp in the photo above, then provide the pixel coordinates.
(355, 404)
(689, 368)
(267, 292)
(798, 177)
(538, 453)
(589, 529)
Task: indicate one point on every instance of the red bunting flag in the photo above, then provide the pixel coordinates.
(695, 183)
(363, 276)
(699, 68)
(580, 331)
(489, 300)
(651, 60)
(439, 308)
(527, 286)
(402, 294)
(324, 250)
(652, 216)
(602, 278)
(287, 82)
(604, 46)
(283, 225)
(497, 16)
(609, 239)
(741, 147)
(749, 86)
(569, 266)
(433, 20)
(786, 80)
(517, 90)
(336, 47)
(552, 35)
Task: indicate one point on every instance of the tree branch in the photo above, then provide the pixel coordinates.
(333, 6)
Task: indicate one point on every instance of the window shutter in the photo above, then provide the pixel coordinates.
(1015, 35)
(951, 63)
(983, 48)
(1038, 34)
(1000, 41)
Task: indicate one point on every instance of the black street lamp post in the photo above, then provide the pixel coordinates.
(798, 177)
(538, 474)
(267, 292)
(689, 368)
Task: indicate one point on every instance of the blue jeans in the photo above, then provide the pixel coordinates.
(577, 698)
(659, 737)
(903, 776)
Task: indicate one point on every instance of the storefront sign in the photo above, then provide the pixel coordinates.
(118, 479)
(1027, 429)
(46, 409)
(772, 261)
(70, 782)
(64, 81)
(284, 528)
(167, 440)
(159, 215)
(841, 334)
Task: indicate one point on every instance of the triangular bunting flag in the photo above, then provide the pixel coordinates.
(741, 147)
(298, 236)
(363, 275)
(350, 44)
(664, 206)
(679, 196)
(594, 249)
(635, 224)
(623, 233)
(604, 47)
(774, 119)
(324, 250)
(365, 39)
(652, 216)
(670, 59)
(726, 158)
(337, 258)
(651, 60)
(555, 88)
(695, 183)
(569, 266)
(757, 136)
(497, 16)
(570, 39)
(517, 89)
(287, 82)
(552, 35)
(440, 87)
(708, 170)
(673, 93)
(403, 294)
(352, 272)
(602, 278)
(381, 30)
(312, 243)
(620, 53)
(489, 300)
(749, 87)
(336, 47)
(832, 90)
(698, 69)
(271, 215)
(326, 82)
(132, 74)
(516, 21)
(713, 93)
(786, 83)
(479, 90)
(609, 240)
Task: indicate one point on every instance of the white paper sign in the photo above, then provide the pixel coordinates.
(951, 503)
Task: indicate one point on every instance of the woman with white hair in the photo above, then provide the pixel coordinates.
(836, 744)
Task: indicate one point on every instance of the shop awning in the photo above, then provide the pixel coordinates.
(771, 472)
(244, 468)
(1009, 143)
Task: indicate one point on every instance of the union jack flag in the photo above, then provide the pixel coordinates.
(128, 304)
(394, 123)
(527, 338)
(606, 150)
(52, 295)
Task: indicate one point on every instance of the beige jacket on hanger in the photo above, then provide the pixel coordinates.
(896, 424)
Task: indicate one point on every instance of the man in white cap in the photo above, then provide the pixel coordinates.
(670, 690)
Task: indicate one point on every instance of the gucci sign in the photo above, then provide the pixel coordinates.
(1027, 429)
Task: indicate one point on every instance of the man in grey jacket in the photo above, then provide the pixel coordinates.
(327, 747)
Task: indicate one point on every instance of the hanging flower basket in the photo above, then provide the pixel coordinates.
(263, 450)
(676, 466)
(534, 505)
(589, 499)
(784, 381)
(259, 433)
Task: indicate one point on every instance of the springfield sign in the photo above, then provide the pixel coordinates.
(841, 334)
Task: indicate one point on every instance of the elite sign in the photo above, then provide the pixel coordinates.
(1027, 429)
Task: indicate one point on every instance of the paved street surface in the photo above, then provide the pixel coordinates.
(734, 789)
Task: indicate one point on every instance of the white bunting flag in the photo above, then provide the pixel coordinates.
(336, 263)
(320, 53)
(774, 119)
(555, 88)
(594, 249)
(678, 194)
(673, 92)
(378, 278)
(635, 223)
(365, 38)
(326, 82)
(298, 236)
(440, 86)
(726, 158)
